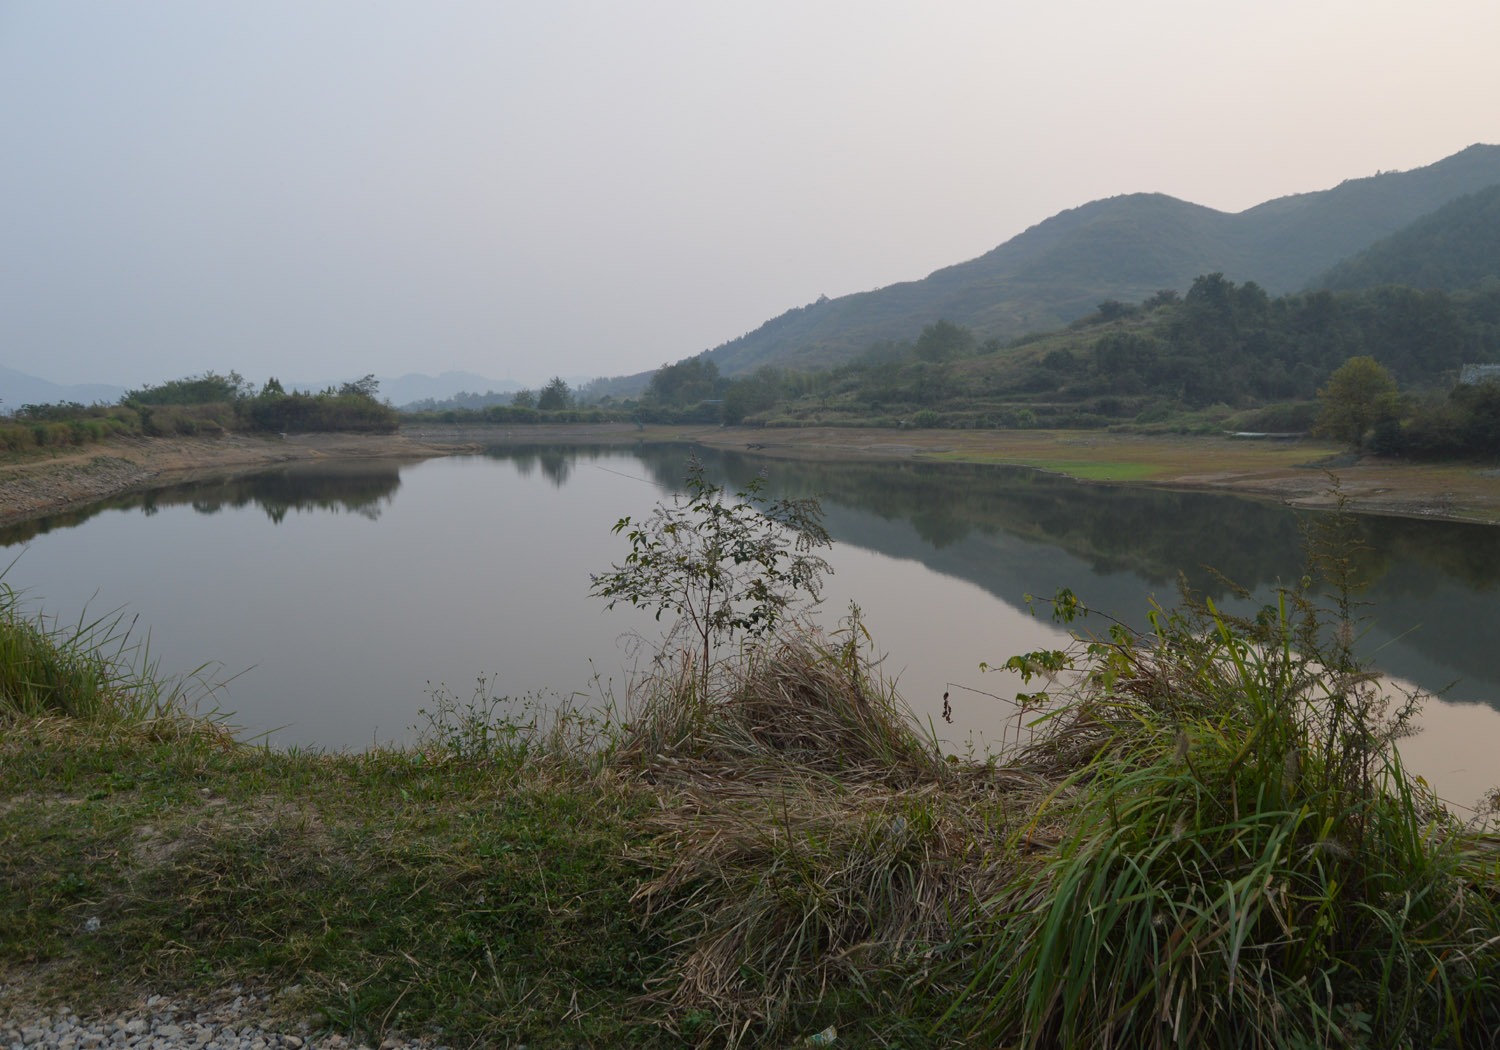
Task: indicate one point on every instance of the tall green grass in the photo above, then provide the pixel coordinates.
(1239, 864)
(1240, 859)
(92, 669)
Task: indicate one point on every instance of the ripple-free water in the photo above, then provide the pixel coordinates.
(339, 595)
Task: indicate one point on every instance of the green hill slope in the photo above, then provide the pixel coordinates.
(1455, 247)
(1121, 248)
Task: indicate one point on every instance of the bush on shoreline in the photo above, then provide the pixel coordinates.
(200, 405)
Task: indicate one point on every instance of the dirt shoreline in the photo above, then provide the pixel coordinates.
(65, 479)
(1296, 473)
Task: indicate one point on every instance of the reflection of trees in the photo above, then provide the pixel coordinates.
(1007, 530)
(556, 462)
(1470, 553)
(361, 487)
(556, 466)
(1153, 533)
(1012, 531)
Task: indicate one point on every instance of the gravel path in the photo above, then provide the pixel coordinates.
(162, 1024)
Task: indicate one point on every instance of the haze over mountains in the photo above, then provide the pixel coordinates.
(1121, 248)
(18, 388)
(1436, 226)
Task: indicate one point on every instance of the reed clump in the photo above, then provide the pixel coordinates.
(92, 670)
(1211, 842)
(1241, 860)
(798, 702)
(808, 837)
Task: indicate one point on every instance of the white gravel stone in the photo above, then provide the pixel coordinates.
(161, 1024)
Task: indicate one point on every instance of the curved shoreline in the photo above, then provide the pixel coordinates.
(74, 477)
(1298, 473)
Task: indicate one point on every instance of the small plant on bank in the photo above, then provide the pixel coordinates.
(726, 564)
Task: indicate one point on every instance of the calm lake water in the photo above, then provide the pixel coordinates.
(340, 595)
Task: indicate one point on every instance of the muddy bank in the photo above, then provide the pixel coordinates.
(1299, 473)
(73, 477)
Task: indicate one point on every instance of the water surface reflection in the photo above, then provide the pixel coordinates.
(350, 585)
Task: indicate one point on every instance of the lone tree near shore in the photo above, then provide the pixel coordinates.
(555, 395)
(1359, 394)
(725, 564)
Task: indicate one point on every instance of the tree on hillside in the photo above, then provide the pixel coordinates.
(523, 399)
(685, 383)
(1359, 394)
(1113, 310)
(555, 395)
(750, 394)
(943, 341)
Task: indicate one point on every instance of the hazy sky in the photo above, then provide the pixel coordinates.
(324, 189)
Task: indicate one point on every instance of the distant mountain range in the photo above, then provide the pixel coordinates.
(18, 388)
(1121, 248)
(403, 390)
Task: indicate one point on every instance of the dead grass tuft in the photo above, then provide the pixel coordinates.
(807, 833)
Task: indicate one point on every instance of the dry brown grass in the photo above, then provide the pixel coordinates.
(807, 834)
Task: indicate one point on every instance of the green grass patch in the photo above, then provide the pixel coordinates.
(1085, 470)
(482, 900)
(1102, 470)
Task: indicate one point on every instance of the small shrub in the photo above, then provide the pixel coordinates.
(727, 565)
(1388, 438)
(15, 438)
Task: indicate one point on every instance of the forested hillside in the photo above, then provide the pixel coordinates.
(1123, 248)
(1457, 246)
(1222, 350)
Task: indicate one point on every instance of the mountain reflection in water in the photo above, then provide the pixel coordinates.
(350, 585)
(1430, 585)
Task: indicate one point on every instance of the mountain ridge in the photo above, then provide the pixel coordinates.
(1453, 248)
(1124, 247)
(18, 388)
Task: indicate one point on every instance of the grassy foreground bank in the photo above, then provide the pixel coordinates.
(1213, 844)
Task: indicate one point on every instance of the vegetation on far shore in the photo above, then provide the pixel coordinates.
(1208, 841)
(1219, 358)
(208, 404)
